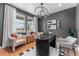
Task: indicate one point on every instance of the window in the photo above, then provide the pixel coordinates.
(20, 23)
(30, 25)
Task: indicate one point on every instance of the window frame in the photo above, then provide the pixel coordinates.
(22, 16)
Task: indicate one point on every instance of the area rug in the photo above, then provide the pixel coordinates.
(32, 52)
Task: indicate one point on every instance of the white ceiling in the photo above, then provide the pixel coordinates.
(52, 7)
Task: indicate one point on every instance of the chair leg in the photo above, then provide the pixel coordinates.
(74, 51)
(68, 52)
(13, 48)
(25, 43)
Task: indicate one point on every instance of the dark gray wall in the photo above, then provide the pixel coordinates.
(66, 17)
(1, 21)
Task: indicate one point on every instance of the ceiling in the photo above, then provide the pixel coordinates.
(52, 7)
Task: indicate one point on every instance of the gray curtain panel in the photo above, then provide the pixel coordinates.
(9, 25)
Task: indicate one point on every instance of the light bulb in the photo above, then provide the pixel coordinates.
(59, 5)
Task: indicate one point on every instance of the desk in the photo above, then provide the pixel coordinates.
(42, 46)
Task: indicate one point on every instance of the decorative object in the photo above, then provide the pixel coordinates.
(41, 11)
(50, 33)
(59, 23)
(51, 24)
(71, 32)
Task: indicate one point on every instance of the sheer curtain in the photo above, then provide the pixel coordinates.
(35, 24)
(9, 24)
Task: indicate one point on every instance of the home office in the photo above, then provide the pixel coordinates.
(25, 31)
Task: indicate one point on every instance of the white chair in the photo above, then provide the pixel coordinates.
(68, 43)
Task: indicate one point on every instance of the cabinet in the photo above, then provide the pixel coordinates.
(29, 39)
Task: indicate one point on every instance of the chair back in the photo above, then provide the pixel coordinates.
(53, 38)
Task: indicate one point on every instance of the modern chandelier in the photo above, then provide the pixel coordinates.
(41, 11)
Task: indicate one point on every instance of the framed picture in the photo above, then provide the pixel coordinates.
(51, 24)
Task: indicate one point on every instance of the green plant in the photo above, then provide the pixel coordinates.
(71, 33)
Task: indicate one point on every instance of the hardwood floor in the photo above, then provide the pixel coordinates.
(77, 51)
(19, 50)
(71, 52)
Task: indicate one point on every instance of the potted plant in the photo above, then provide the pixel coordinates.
(71, 32)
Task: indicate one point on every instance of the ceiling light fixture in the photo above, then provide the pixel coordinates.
(59, 5)
(41, 11)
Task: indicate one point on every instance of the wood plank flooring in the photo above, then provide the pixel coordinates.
(19, 50)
